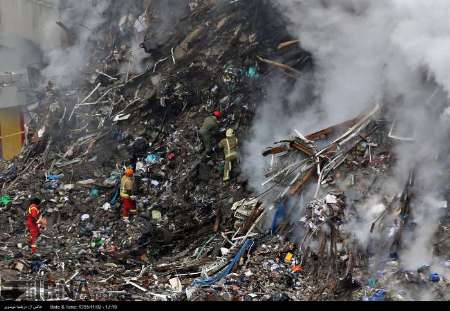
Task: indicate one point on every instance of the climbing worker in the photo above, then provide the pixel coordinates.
(34, 222)
(229, 146)
(209, 129)
(126, 189)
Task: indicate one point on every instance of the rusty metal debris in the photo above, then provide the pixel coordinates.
(192, 237)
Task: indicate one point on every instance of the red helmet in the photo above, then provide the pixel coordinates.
(217, 114)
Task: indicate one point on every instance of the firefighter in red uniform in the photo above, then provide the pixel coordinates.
(34, 220)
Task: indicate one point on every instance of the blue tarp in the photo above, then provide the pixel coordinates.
(152, 158)
(227, 270)
(252, 73)
(116, 193)
(279, 216)
(54, 177)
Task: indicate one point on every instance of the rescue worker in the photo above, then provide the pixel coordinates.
(34, 221)
(209, 129)
(126, 189)
(229, 146)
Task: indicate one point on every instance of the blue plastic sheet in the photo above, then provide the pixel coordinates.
(115, 196)
(54, 177)
(94, 193)
(218, 276)
(279, 216)
(434, 277)
(378, 296)
(151, 158)
(252, 73)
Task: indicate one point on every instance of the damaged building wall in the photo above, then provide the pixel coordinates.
(330, 176)
(25, 32)
(16, 54)
(29, 19)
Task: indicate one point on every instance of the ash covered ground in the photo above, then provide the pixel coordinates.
(328, 201)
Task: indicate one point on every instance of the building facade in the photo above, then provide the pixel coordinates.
(27, 27)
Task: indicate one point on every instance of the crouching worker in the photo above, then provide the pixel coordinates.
(229, 146)
(34, 222)
(126, 190)
(208, 130)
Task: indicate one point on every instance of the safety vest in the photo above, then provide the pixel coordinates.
(229, 147)
(126, 185)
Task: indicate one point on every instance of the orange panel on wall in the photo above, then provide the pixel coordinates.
(11, 132)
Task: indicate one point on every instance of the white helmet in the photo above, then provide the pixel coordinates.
(230, 133)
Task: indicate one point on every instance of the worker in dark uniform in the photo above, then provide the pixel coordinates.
(209, 129)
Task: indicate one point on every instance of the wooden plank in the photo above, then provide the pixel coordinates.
(251, 218)
(302, 148)
(322, 134)
(287, 44)
(279, 65)
(275, 150)
(295, 189)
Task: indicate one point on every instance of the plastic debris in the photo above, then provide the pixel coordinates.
(288, 258)
(86, 182)
(106, 206)
(171, 156)
(152, 158)
(175, 283)
(378, 296)
(252, 73)
(94, 193)
(5, 200)
(155, 183)
(156, 215)
(434, 277)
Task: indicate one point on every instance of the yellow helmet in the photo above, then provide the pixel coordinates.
(230, 133)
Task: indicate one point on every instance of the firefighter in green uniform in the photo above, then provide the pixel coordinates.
(209, 129)
(229, 146)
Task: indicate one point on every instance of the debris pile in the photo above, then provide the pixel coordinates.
(192, 236)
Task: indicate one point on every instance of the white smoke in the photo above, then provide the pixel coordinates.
(394, 52)
(131, 19)
(83, 18)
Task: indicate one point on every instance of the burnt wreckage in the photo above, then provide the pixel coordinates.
(194, 237)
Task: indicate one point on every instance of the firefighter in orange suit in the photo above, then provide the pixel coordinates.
(34, 222)
(126, 190)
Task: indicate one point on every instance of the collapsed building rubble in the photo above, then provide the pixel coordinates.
(193, 237)
(337, 198)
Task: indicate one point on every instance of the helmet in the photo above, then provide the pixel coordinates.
(129, 172)
(230, 133)
(217, 114)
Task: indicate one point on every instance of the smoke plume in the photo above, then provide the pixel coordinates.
(366, 52)
(83, 24)
(82, 19)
